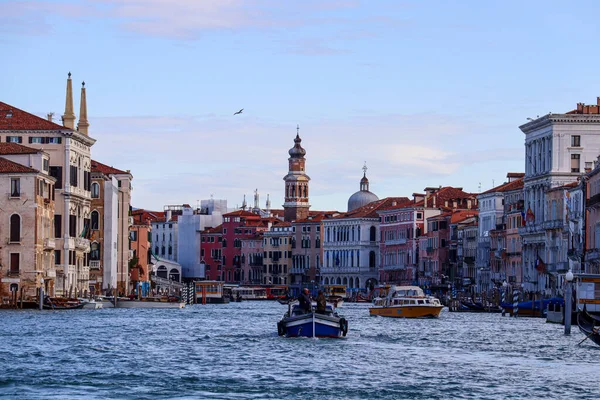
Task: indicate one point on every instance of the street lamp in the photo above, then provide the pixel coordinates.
(568, 300)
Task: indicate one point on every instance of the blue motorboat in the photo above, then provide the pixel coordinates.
(298, 322)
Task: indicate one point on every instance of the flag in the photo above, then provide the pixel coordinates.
(530, 217)
(540, 265)
(523, 221)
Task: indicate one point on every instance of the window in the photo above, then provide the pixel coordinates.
(133, 236)
(15, 228)
(87, 180)
(575, 141)
(588, 166)
(95, 217)
(575, 158)
(95, 190)
(14, 139)
(72, 225)
(57, 226)
(74, 171)
(15, 187)
(56, 173)
(14, 263)
(36, 140)
(45, 164)
(54, 140)
(57, 257)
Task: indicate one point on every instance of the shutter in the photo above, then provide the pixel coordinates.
(30, 139)
(20, 139)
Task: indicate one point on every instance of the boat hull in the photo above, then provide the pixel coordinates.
(92, 305)
(587, 326)
(323, 326)
(425, 311)
(148, 304)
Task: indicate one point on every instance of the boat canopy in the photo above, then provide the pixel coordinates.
(405, 291)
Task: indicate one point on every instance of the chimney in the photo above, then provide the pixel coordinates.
(433, 198)
(49, 116)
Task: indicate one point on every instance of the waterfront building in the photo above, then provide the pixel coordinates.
(189, 225)
(410, 221)
(296, 184)
(351, 246)
(558, 149)
(576, 216)
(140, 237)
(277, 254)
(211, 252)
(237, 225)
(26, 223)
(110, 252)
(591, 190)
(459, 220)
(511, 269)
(470, 233)
(307, 251)
(499, 209)
(165, 232)
(69, 149)
(252, 260)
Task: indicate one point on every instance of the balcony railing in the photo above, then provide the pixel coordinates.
(394, 267)
(554, 224)
(394, 242)
(592, 255)
(49, 244)
(429, 250)
(94, 264)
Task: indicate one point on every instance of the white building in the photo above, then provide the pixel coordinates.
(558, 149)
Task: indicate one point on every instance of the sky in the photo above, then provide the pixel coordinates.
(427, 93)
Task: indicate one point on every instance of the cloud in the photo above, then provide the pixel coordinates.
(180, 159)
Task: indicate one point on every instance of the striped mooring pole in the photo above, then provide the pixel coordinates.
(502, 302)
(515, 303)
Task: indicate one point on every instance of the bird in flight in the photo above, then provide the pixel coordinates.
(239, 112)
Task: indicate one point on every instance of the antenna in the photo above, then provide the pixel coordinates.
(479, 187)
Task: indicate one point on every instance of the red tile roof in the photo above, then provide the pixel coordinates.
(15, 148)
(141, 216)
(241, 213)
(370, 210)
(211, 231)
(461, 215)
(506, 187)
(7, 166)
(15, 119)
(105, 169)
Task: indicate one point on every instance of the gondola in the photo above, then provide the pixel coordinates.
(589, 325)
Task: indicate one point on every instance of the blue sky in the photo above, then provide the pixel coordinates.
(428, 93)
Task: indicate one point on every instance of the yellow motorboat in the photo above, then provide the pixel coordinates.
(406, 302)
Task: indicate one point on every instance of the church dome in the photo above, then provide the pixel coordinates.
(363, 196)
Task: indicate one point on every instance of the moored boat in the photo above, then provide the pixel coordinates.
(60, 303)
(91, 304)
(589, 325)
(406, 302)
(300, 323)
(150, 302)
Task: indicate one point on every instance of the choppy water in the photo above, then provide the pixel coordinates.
(232, 351)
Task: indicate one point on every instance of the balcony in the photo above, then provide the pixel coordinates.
(469, 260)
(554, 224)
(51, 273)
(49, 244)
(394, 267)
(531, 229)
(82, 244)
(298, 270)
(94, 264)
(394, 242)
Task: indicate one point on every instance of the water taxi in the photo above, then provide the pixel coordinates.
(406, 302)
(335, 294)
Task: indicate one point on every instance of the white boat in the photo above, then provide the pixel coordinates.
(91, 304)
(406, 302)
(149, 302)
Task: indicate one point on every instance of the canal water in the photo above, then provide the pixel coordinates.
(232, 351)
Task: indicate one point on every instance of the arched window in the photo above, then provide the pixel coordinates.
(15, 228)
(372, 234)
(161, 272)
(95, 190)
(174, 275)
(95, 220)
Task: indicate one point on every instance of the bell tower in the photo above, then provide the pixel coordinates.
(296, 183)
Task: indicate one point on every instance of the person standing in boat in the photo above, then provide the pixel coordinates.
(321, 302)
(304, 301)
